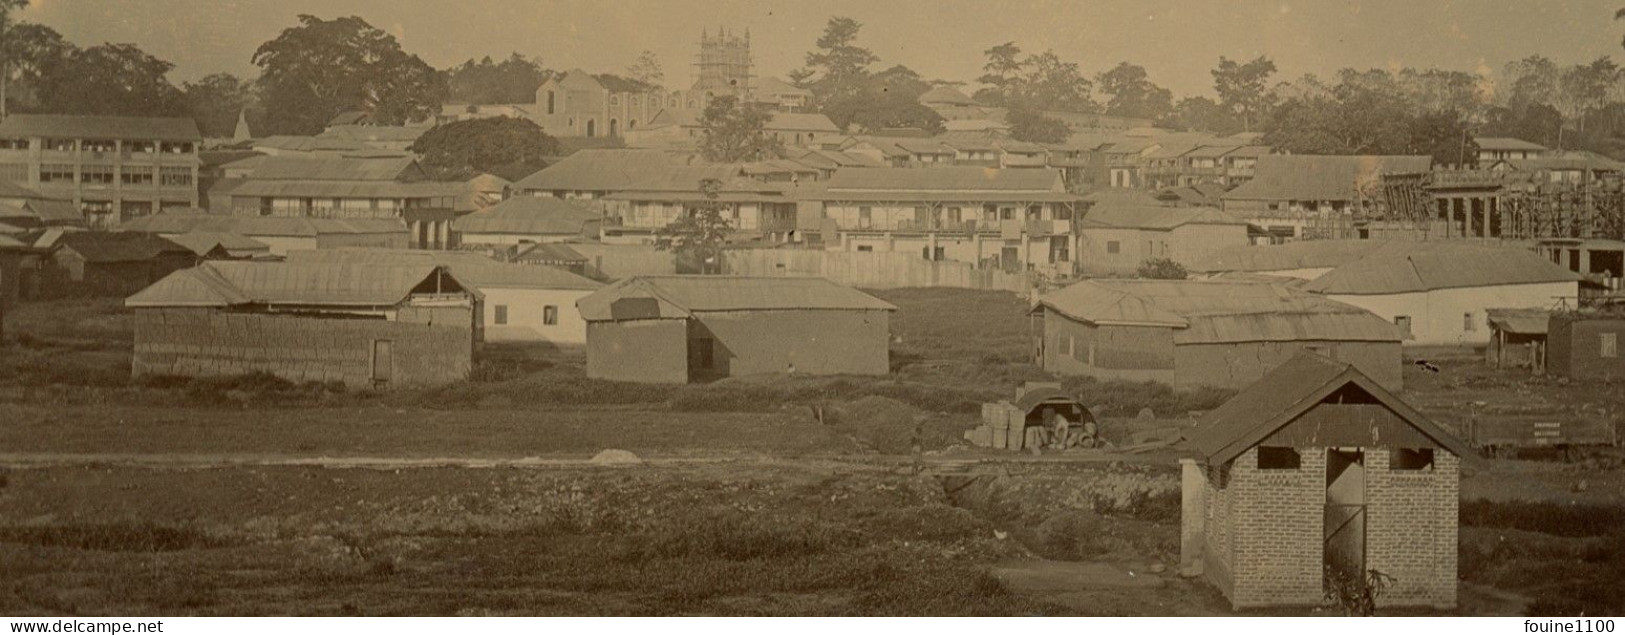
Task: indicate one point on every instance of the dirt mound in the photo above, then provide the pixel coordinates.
(616, 457)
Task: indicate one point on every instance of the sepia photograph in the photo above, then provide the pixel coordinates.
(542, 309)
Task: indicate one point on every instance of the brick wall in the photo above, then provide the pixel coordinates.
(1411, 524)
(1278, 517)
(205, 343)
(1263, 539)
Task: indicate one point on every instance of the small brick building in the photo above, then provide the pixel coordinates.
(1317, 473)
(367, 326)
(677, 329)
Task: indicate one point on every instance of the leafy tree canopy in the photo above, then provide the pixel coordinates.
(320, 68)
(698, 234)
(1034, 127)
(735, 132)
(511, 81)
(509, 147)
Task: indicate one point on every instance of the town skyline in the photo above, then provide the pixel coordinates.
(205, 37)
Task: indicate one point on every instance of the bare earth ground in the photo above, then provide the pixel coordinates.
(253, 497)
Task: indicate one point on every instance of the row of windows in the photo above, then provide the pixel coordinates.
(103, 145)
(169, 176)
(550, 315)
(1401, 459)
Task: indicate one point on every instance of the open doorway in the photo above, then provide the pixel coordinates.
(1345, 518)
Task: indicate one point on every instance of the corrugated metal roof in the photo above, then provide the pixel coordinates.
(1520, 321)
(550, 253)
(1439, 267)
(679, 296)
(349, 189)
(228, 283)
(528, 215)
(1506, 143)
(365, 133)
(106, 247)
(260, 225)
(1299, 254)
(203, 242)
(1219, 311)
(918, 196)
(1302, 177)
(948, 179)
(1287, 392)
(475, 269)
(282, 168)
(598, 170)
(101, 127)
(1158, 217)
(294, 143)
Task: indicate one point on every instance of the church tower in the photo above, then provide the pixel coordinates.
(724, 64)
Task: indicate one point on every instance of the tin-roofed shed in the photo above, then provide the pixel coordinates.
(363, 325)
(1310, 479)
(1211, 333)
(677, 329)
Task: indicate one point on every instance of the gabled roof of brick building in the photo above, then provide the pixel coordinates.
(1287, 392)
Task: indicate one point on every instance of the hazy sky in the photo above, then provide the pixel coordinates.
(1177, 41)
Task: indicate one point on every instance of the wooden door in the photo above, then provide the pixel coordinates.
(383, 361)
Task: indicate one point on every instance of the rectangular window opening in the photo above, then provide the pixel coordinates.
(1411, 459)
(550, 315)
(1274, 458)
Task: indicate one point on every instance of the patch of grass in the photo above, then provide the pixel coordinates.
(1544, 517)
(125, 537)
(1127, 399)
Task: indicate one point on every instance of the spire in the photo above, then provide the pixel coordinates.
(242, 133)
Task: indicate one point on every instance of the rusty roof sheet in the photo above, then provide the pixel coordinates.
(681, 296)
(229, 283)
(1287, 392)
(1207, 312)
(1440, 266)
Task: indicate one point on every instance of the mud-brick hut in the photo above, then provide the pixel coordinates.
(1314, 476)
(366, 325)
(677, 329)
